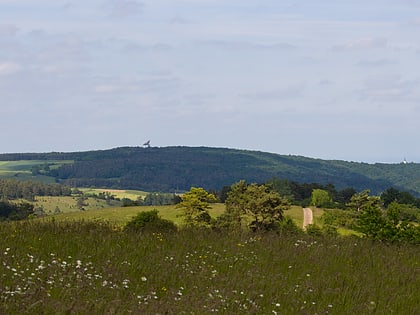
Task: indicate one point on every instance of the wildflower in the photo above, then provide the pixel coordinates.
(125, 283)
(144, 279)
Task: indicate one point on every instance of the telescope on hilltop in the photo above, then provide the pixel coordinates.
(147, 144)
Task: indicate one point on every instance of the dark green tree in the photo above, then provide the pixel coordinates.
(363, 200)
(321, 198)
(256, 204)
(150, 221)
(195, 207)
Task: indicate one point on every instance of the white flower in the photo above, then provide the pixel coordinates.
(144, 279)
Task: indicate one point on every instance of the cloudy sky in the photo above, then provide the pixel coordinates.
(330, 79)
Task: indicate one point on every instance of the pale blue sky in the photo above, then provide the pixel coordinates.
(327, 79)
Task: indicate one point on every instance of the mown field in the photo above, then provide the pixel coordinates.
(117, 193)
(96, 268)
(68, 204)
(98, 210)
(22, 169)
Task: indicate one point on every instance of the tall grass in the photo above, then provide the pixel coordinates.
(95, 268)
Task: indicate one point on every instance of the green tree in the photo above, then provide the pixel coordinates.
(150, 221)
(377, 224)
(282, 186)
(236, 203)
(195, 206)
(362, 200)
(321, 198)
(394, 195)
(262, 207)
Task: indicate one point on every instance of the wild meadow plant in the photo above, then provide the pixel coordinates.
(96, 268)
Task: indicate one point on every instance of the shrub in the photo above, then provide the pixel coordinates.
(150, 221)
(314, 230)
(340, 218)
(287, 226)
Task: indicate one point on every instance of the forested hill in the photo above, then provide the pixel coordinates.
(178, 168)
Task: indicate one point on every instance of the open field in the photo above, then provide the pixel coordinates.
(95, 268)
(121, 215)
(25, 166)
(100, 210)
(296, 213)
(22, 169)
(117, 193)
(68, 204)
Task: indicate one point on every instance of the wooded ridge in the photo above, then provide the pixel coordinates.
(177, 168)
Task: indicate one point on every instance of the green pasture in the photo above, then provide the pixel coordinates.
(25, 166)
(68, 204)
(296, 213)
(99, 210)
(111, 211)
(22, 169)
(117, 193)
(121, 215)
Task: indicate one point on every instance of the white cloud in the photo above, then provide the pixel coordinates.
(8, 30)
(243, 45)
(7, 68)
(284, 93)
(106, 88)
(377, 63)
(124, 8)
(390, 88)
(362, 44)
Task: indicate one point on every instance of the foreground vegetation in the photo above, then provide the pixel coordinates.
(97, 268)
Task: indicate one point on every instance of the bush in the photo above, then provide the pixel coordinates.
(151, 222)
(329, 230)
(287, 226)
(340, 218)
(314, 230)
(226, 221)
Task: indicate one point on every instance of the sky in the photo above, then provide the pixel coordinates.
(328, 79)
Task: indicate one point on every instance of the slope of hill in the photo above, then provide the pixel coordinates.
(179, 168)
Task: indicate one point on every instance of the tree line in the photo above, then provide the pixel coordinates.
(259, 207)
(11, 189)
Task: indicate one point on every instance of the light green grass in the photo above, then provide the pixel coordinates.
(68, 204)
(22, 170)
(23, 166)
(296, 213)
(117, 193)
(121, 215)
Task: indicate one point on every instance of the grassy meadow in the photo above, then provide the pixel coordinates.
(86, 267)
(68, 204)
(117, 193)
(22, 169)
(98, 210)
(121, 215)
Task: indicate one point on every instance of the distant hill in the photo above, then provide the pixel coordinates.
(172, 169)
